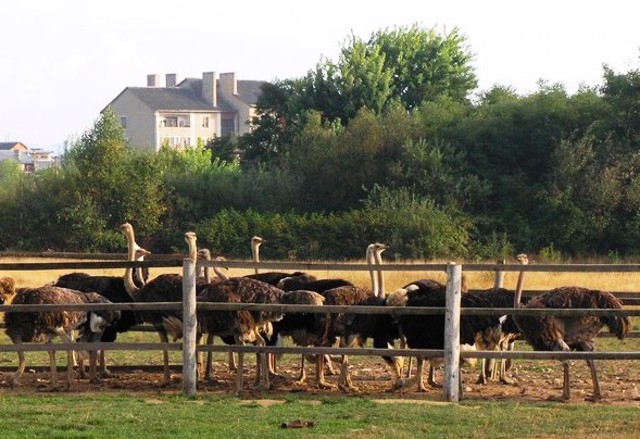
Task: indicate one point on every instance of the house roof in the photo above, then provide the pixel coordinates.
(8, 146)
(187, 96)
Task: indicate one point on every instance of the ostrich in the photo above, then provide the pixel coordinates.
(301, 327)
(424, 332)
(163, 288)
(425, 286)
(568, 333)
(382, 328)
(318, 286)
(113, 289)
(335, 326)
(243, 326)
(43, 326)
(272, 278)
(502, 298)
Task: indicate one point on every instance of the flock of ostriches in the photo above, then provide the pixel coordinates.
(413, 331)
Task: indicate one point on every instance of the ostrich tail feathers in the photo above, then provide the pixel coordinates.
(620, 326)
(173, 326)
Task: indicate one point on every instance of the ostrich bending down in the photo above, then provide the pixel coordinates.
(163, 288)
(567, 333)
(243, 326)
(427, 332)
(113, 289)
(43, 326)
(301, 327)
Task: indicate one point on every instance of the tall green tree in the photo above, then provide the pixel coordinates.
(425, 63)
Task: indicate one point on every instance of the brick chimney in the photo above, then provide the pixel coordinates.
(170, 80)
(228, 83)
(153, 80)
(210, 88)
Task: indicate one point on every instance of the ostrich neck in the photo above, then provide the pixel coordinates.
(255, 254)
(370, 256)
(220, 273)
(129, 285)
(378, 258)
(517, 299)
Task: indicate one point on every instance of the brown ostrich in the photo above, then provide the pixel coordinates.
(43, 326)
(243, 326)
(163, 288)
(272, 278)
(571, 333)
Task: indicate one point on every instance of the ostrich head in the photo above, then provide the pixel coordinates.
(191, 238)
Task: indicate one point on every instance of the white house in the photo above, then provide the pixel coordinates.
(181, 114)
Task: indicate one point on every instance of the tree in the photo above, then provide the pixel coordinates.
(410, 65)
(110, 184)
(426, 64)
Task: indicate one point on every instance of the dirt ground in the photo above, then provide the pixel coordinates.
(533, 382)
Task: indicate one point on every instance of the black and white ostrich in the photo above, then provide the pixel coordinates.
(337, 326)
(426, 285)
(571, 333)
(427, 332)
(243, 326)
(43, 326)
(162, 288)
(113, 289)
(501, 298)
(383, 329)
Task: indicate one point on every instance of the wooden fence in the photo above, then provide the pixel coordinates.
(452, 311)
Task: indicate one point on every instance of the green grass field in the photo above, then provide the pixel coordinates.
(124, 415)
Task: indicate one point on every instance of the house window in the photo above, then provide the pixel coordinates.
(123, 121)
(205, 122)
(227, 125)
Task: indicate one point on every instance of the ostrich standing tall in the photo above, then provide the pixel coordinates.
(43, 326)
(163, 288)
(571, 333)
(382, 328)
(336, 326)
(113, 289)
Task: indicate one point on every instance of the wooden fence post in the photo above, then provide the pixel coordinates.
(189, 322)
(451, 382)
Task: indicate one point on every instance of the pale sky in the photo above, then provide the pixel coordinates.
(63, 61)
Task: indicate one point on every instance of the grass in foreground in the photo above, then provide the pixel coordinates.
(107, 416)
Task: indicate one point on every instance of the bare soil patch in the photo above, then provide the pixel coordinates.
(533, 382)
